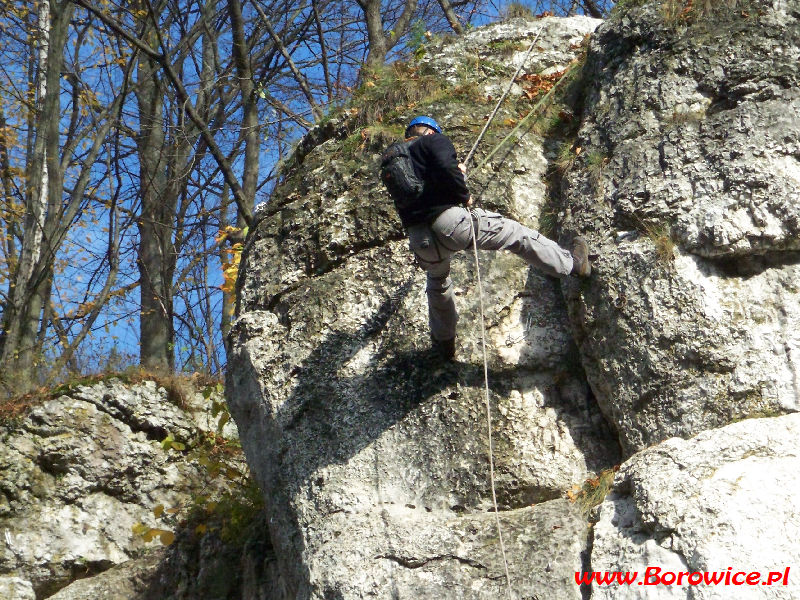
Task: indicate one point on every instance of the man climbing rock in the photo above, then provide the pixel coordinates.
(439, 224)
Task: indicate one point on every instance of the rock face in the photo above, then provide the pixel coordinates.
(80, 470)
(126, 581)
(16, 588)
(688, 187)
(724, 499)
(371, 451)
(208, 568)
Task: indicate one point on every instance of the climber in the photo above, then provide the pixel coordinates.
(439, 224)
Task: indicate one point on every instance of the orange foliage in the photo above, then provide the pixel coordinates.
(533, 85)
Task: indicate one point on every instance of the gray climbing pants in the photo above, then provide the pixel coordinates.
(435, 244)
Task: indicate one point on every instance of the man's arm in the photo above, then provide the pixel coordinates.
(445, 164)
(463, 168)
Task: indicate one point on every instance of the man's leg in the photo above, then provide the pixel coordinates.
(455, 226)
(442, 315)
(435, 261)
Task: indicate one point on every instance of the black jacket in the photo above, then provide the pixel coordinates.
(435, 162)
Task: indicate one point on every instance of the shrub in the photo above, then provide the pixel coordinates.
(517, 10)
(593, 491)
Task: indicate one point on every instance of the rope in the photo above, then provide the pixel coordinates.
(509, 592)
(505, 94)
(523, 121)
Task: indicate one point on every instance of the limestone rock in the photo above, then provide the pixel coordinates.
(80, 470)
(193, 568)
(724, 499)
(687, 185)
(500, 48)
(126, 581)
(373, 453)
(15, 588)
(421, 554)
(239, 567)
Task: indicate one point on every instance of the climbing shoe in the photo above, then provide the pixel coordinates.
(580, 258)
(445, 348)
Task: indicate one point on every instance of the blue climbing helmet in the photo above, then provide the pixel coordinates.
(423, 120)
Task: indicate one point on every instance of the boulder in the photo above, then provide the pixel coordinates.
(687, 185)
(372, 452)
(722, 503)
(78, 471)
(16, 588)
(126, 581)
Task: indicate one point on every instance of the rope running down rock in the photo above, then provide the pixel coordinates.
(509, 592)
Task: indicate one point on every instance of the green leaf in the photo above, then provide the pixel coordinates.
(222, 421)
(158, 510)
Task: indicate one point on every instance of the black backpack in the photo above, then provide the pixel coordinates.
(397, 173)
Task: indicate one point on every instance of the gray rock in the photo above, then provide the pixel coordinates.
(373, 453)
(724, 499)
(80, 470)
(418, 554)
(688, 188)
(239, 565)
(16, 588)
(500, 48)
(127, 581)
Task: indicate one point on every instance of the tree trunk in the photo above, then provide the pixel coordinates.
(450, 15)
(376, 54)
(379, 42)
(29, 282)
(155, 235)
(250, 128)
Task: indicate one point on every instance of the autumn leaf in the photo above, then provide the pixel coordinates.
(166, 537)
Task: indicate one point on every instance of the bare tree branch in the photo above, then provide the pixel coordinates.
(301, 79)
(451, 16)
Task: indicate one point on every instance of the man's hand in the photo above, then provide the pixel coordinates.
(463, 168)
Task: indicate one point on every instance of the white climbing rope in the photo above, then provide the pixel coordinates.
(475, 226)
(502, 98)
(509, 593)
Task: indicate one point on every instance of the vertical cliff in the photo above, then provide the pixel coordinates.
(674, 149)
